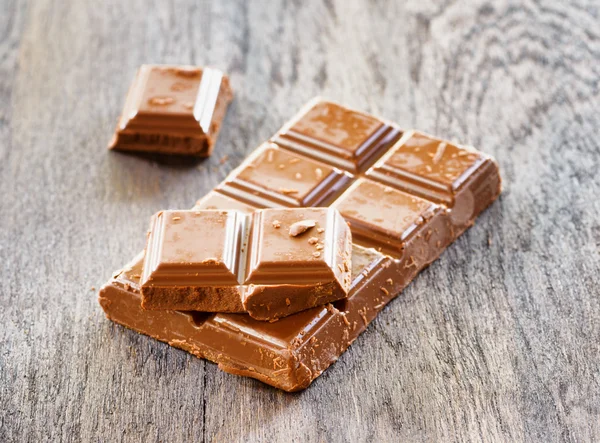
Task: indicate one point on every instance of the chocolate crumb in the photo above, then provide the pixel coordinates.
(294, 160)
(93, 288)
(320, 230)
(319, 247)
(319, 173)
(176, 218)
(390, 281)
(161, 101)
(270, 156)
(281, 166)
(288, 302)
(345, 320)
(316, 254)
(287, 191)
(188, 105)
(313, 241)
(385, 291)
(411, 263)
(210, 261)
(301, 227)
(363, 315)
(298, 176)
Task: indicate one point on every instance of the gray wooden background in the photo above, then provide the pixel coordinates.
(497, 341)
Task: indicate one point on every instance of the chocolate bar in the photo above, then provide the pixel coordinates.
(398, 229)
(270, 263)
(173, 110)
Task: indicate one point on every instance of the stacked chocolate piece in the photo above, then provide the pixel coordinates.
(264, 263)
(296, 302)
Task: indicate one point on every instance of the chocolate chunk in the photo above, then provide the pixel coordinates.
(227, 261)
(173, 110)
(458, 177)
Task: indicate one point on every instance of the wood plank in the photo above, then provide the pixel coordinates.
(499, 340)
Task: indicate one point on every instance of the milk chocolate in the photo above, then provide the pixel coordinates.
(399, 227)
(274, 177)
(459, 177)
(173, 110)
(330, 133)
(270, 263)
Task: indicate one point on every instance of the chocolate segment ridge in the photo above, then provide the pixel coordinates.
(174, 110)
(333, 134)
(225, 261)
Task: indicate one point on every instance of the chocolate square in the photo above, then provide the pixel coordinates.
(275, 177)
(173, 109)
(339, 136)
(382, 217)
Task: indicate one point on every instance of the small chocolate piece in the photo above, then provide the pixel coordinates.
(173, 110)
(225, 261)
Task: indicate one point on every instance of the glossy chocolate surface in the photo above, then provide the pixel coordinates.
(228, 261)
(193, 248)
(173, 109)
(382, 216)
(427, 165)
(330, 133)
(397, 231)
(274, 177)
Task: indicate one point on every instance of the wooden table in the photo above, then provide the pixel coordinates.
(499, 340)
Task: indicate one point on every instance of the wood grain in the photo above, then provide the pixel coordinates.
(499, 340)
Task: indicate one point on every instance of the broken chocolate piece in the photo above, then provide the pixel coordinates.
(225, 261)
(173, 110)
(294, 351)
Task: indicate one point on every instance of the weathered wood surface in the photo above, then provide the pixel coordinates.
(497, 341)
